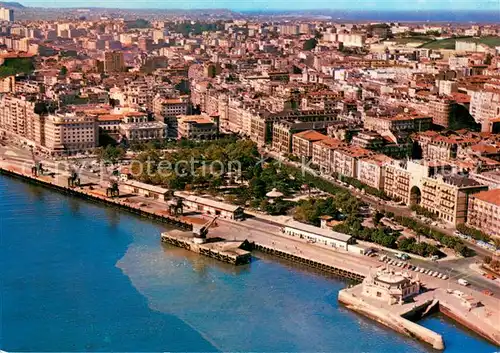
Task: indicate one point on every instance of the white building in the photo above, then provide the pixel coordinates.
(6, 14)
(393, 288)
(146, 190)
(70, 133)
(351, 39)
(144, 131)
(211, 207)
(485, 106)
(318, 235)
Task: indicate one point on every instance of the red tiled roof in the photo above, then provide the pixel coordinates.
(311, 135)
(110, 117)
(490, 196)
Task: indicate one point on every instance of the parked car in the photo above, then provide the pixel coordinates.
(402, 256)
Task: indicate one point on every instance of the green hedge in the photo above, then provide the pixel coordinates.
(449, 241)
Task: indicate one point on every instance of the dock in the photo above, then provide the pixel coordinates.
(316, 264)
(97, 196)
(393, 319)
(216, 248)
(482, 319)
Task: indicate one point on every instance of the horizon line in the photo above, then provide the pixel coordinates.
(242, 9)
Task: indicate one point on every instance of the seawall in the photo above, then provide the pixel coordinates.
(462, 320)
(98, 199)
(392, 320)
(342, 272)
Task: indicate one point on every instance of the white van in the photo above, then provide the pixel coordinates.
(463, 282)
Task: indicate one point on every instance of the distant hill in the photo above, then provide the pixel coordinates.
(11, 5)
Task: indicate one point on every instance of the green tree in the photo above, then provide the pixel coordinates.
(310, 44)
(257, 188)
(377, 216)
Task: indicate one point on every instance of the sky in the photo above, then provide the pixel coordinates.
(379, 5)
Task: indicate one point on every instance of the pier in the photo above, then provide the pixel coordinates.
(479, 314)
(391, 318)
(215, 248)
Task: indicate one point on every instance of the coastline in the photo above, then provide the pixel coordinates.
(98, 199)
(402, 325)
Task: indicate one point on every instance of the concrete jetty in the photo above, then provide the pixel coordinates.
(216, 248)
(393, 319)
(479, 314)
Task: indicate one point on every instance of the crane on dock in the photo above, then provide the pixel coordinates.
(37, 168)
(200, 233)
(73, 179)
(112, 189)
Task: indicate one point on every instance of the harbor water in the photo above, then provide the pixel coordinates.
(76, 276)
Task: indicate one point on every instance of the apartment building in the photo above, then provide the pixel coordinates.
(284, 130)
(369, 139)
(485, 106)
(442, 111)
(302, 143)
(352, 39)
(114, 61)
(110, 123)
(6, 14)
(323, 153)
(8, 84)
(289, 29)
(197, 127)
(70, 133)
(18, 118)
(447, 196)
(445, 148)
(400, 122)
(261, 126)
(137, 94)
(397, 182)
(371, 170)
(345, 160)
(321, 100)
(484, 212)
(170, 107)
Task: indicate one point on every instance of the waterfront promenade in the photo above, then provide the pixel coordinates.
(483, 320)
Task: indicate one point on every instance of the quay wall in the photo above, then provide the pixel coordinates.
(462, 320)
(393, 321)
(95, 198)
(357, 277)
